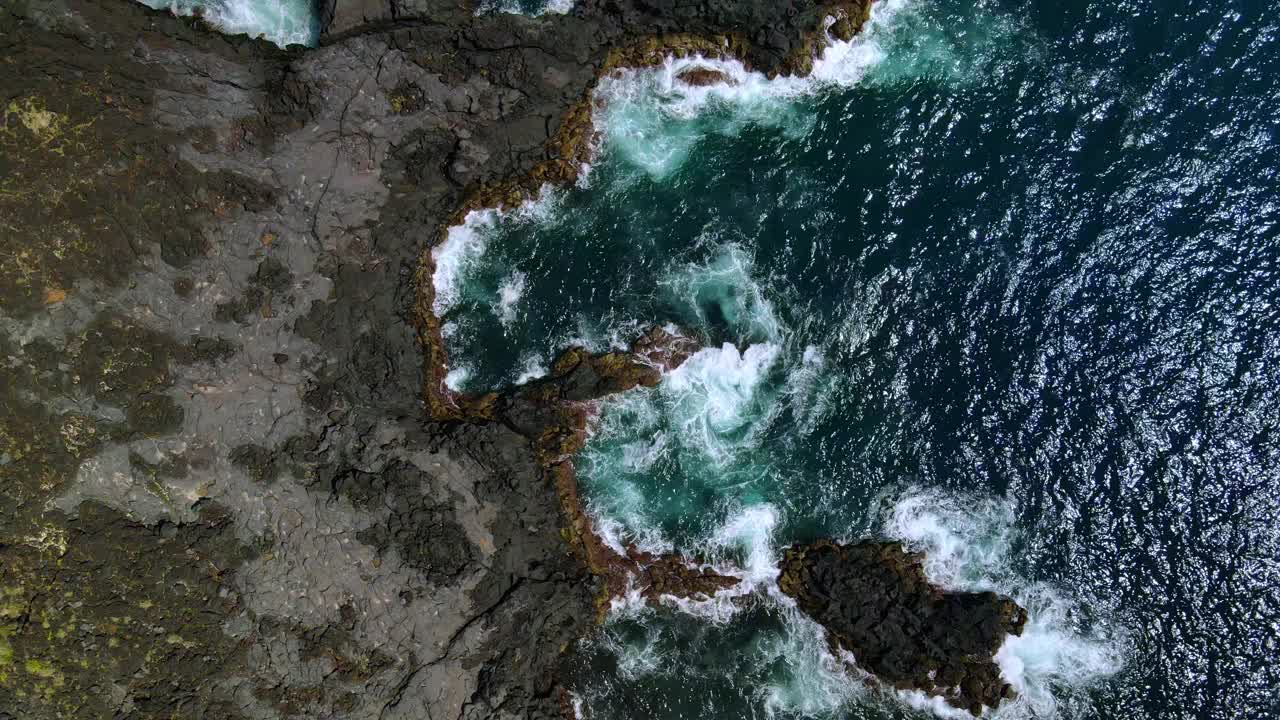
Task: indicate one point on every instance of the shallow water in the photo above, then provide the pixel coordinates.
(999, 281)
(283, 22)
(526, 7)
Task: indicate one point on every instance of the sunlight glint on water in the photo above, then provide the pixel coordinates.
(915, 275)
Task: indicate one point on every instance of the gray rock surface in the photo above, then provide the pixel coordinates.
(221, 494)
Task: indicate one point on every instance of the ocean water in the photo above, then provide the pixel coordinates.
(283, 22)
(999, 281)
(526, 7)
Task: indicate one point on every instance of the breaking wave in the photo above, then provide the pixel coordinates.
(283, 22)
(971, 544)
(526, 7)
(900, 278)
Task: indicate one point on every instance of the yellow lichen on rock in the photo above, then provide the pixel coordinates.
(43, 123)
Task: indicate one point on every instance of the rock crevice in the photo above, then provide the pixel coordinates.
(875, 602)
(213, 326)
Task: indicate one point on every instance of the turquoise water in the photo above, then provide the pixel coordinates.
(999, 281)
(283, 22)
(526, 7)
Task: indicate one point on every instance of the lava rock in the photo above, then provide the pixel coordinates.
(875, 602)
(703, 77)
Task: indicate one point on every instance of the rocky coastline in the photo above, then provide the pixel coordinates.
(875, 602)
(233, 484)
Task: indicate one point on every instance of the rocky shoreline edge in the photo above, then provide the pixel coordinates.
(915, 646)
(229, 484)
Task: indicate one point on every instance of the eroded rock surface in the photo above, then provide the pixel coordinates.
(223, 493)
(703, 76)
(875, 602)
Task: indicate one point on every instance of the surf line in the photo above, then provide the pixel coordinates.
(569, 155)
(555, 412)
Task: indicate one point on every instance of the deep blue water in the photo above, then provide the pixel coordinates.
(283, 22)
(1003, 287)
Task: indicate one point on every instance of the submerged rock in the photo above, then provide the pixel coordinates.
(703, 76)
(875, 602)
(372, 555)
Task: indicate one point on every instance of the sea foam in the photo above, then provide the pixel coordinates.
(969, 545)
(509, 294)
(283, 22)
(526, 7)
(465, 244)
(654, 120)
(714, 398)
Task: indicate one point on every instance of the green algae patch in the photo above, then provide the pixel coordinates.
(99, 596)
(39, 449)
(40, 669)
(44, 125)
(123, 604)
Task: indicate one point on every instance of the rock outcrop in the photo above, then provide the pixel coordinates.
(222, 494)
(554, 412)
(875, 602)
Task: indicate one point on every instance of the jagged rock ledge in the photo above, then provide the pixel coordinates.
(783, 49)
(554, 413)
(875, 602)
(221, 494)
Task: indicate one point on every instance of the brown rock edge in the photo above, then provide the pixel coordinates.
(872, 598)
(554, 413)
(874, 601)
(221, 492)
(572, 147)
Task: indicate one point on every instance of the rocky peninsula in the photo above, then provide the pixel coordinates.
(232, 482)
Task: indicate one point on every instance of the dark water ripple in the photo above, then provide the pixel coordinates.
(1038, 248)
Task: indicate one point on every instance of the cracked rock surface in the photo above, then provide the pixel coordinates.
(221, 492)
(875, 602)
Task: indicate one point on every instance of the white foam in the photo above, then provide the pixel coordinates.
(641, 456)
(621, 519)
(511, 7)
(713, 397)
(966, 540)
(509, 294)
(743, 547)
(931, 704)
(810, 389)
(283, 22)
(1051, 660)
(558, 7)
(462, 248)
(653, 119)
(644, 658)
(465, 245)
(749, 533)
(816, 683)
(629, 604)
(723, 284)
(456, 379)
(532, 367)
(968, 546)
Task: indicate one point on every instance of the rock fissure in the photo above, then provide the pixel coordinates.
(285, 520)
